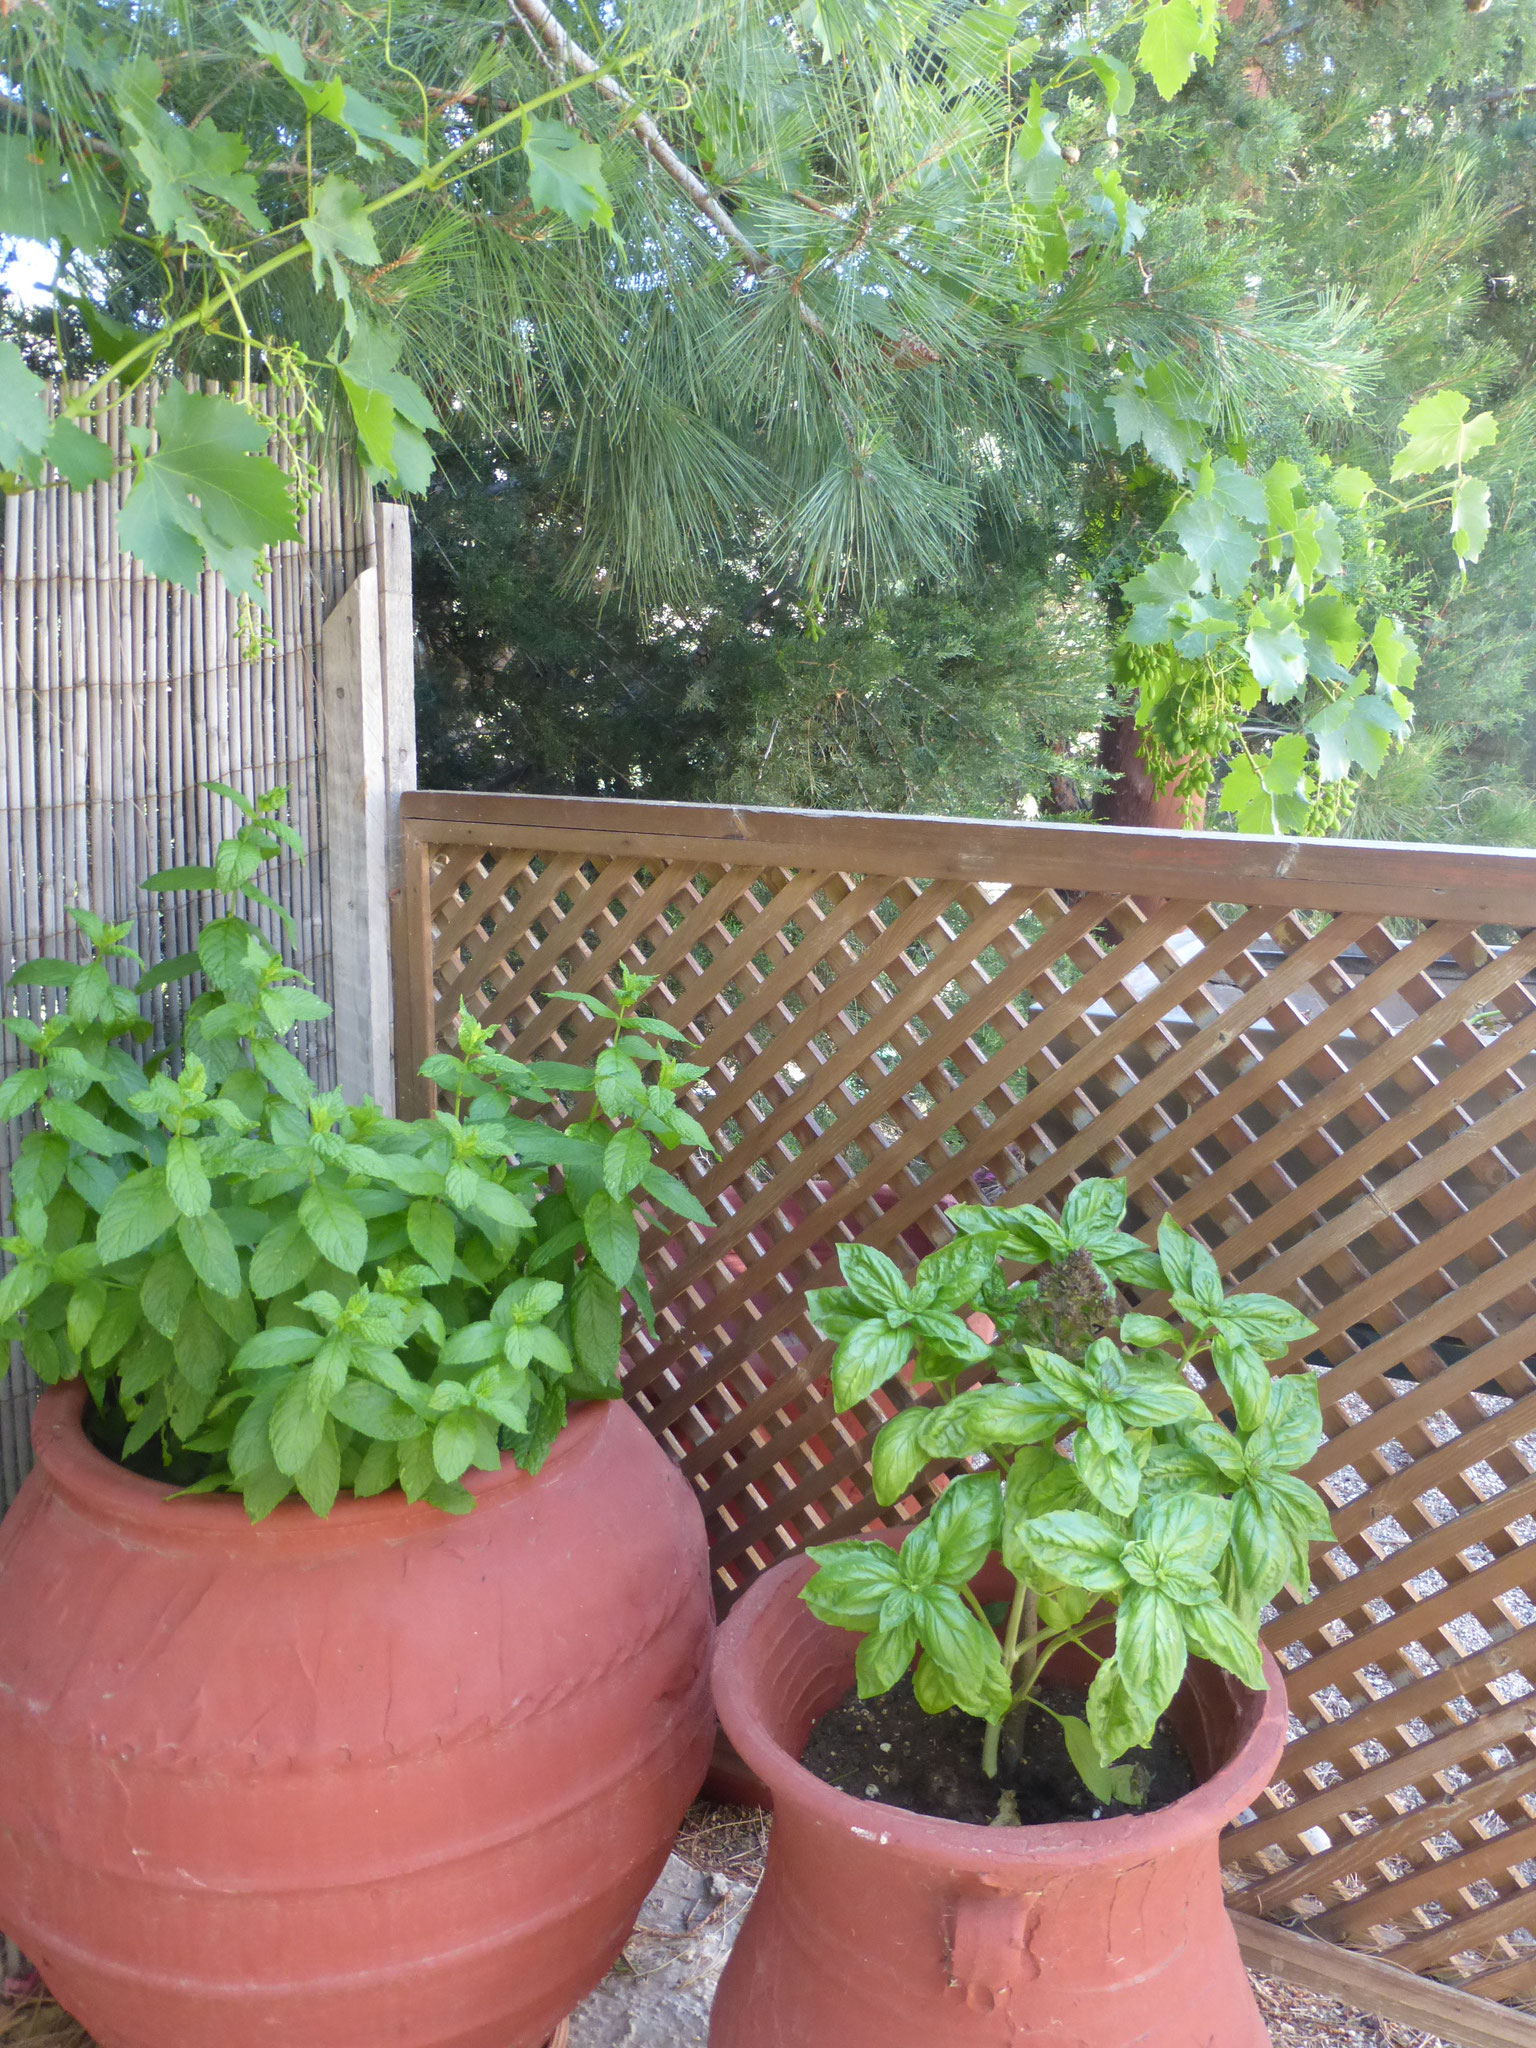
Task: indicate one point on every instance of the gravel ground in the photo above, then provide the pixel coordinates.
(658, 1996)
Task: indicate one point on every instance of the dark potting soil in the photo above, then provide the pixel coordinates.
(889, 1749)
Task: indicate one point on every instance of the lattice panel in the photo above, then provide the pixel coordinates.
(1329, 1081)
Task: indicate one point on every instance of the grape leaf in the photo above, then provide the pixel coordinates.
(1351, 486)
(1470, 524)
(1268, 793)
(178, 162)
(24, 422)
(1244, 496)
(1440, 436)
(1276, 651)
(1117, 79)
(1355, 731)
(206, 491)
(1221, 546)
(1139, 417)
(1040, 151)
(392, 414)
(565, 173)
(330, 99)
(1397, 658)
(976, 43)
(1176, 33)
(44, 200)
(339, 228)
(78, 456)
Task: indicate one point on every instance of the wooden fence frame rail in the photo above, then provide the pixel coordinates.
(1319, 1056)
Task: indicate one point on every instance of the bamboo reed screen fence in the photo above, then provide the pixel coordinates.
(120, 695)
(1320, 1057)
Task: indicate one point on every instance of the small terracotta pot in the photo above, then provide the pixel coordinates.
(395, 1778)
(878, 1928)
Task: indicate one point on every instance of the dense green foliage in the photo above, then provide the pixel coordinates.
(849, 305)
(1098, 1472)
(268, 1290)
(1385, 152)
(980, 697)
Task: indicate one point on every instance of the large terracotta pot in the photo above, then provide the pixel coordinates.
(397, 1779)
(878, 1928)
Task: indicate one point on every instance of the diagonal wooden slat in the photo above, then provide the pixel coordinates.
(1321, 1058)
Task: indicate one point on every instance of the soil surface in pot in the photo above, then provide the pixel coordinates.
(889, 1749)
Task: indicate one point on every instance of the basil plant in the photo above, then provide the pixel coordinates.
(1095, 1467)
(268, 1290)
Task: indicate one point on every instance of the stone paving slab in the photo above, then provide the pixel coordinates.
(659, 1994)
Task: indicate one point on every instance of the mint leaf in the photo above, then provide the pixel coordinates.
(613, 1236)
(336, 1226)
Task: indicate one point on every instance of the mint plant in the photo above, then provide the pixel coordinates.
(267, 1289)
(1115, 1496)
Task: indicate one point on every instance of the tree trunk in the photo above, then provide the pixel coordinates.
(1134, 799)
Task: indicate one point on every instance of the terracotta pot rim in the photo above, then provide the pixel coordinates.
(967, 1845)
(108, 1492)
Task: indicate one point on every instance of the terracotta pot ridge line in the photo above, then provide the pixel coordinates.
(532, 1707)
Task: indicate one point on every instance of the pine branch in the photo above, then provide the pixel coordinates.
(563, 47)
(566, 50)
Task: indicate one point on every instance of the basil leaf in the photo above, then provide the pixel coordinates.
(1293, 1431)
(1075, 1548)
(1271, 1325)
(1150, 1648)
(1214, 1632)
(966, 1524)
(900, 1454)
(868, 1356)
(1244, 1375)
(851, 1583)
(1093, 1210)
(875, 1279)
(966, 1651)
(1117, 1716)
(883, 1658)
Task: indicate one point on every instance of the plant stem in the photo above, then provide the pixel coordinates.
(1022, 1609)
(431, 175)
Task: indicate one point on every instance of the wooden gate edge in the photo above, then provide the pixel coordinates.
(1373, 1985)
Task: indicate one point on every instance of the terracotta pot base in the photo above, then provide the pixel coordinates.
(396, 1778)
(878, 1928)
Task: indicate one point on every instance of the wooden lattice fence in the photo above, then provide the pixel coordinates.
(1319, 1057)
